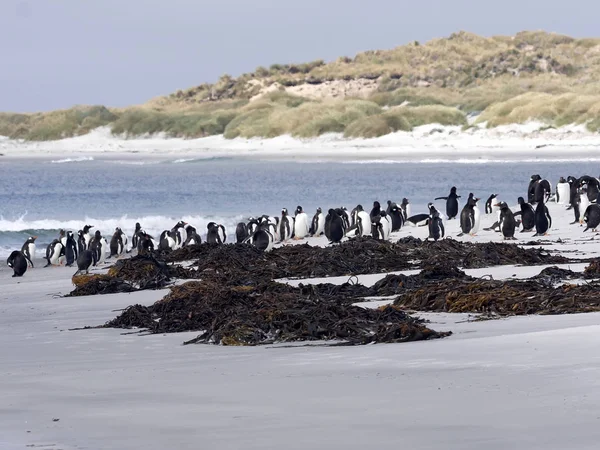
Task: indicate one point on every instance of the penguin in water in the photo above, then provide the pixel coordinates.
(507, 221)
(193, 238)
(531, 188)
(468, 223)
(300, 224)
(215, 233)
(117, 246)
(334, 227)
(71, 251)
(18, 263)
(591, 217)
(562, 191)
(543, 221)
(84, 262)
(317, 226)
(451, 203)
(28, 250)
(527, 214)
(489, 207)
(145, 243)
(286, 226)
(135, 239)
(53, 253)
(436, 224)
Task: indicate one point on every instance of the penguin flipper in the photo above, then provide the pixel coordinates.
(442, 228)
(442, 198)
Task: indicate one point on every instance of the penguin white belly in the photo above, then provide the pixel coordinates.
(496, 209)
(222, 233)
(477, 220)
(564, 193)
(103, 249)
(408, 211)
(366, 220)
(271, 242)
(55, 257)
(125, 243)
(31, 250)
(171, 242)
(63, 241)
(320, 224)
(585, 202)
(87, 237)
(301, 226)
(184, 236)
(387, 228)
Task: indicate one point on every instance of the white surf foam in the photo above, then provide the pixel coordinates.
(69, 160)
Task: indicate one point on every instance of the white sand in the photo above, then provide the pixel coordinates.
(526, 382)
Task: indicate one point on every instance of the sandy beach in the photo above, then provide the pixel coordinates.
(522, 382)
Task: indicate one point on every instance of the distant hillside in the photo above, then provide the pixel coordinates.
(530, 76)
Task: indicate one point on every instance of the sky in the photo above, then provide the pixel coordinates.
(59, 53)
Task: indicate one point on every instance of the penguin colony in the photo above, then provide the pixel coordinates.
(580, 194)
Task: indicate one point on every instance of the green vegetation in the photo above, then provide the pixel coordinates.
(540, 76)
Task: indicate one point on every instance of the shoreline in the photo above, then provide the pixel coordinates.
(429, 143)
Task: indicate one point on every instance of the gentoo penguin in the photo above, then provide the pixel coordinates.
(362, 222)
(241, 232)
(489, 207)
(436, 224)
(418, 220)
(84, 261)
(62, 236)
(193, 238)
(116, 243)
(386, 223)
(376, 210)
(592, 185)
(262, 238)
(562, 191)
(286, 226)
(543, 221)
(543, 189)
(380, 226)
(18, 263)
(345, 217)
(451, 203)
(145, 243)
(135, 239)
(318, 223)
(396, 217)
(215, 233)
(70, 249)
(53, 253)
(507, 221)
(28, 250)
(96, 247)
(573, 186)
(179, 234)
(300, 224)
(467, 216)
(166, 241)
(334, 226)
(591, 217)
(527, 215)
(81, 242)
(584, 201)
(531, 189)
(406, 208)
(87, 235)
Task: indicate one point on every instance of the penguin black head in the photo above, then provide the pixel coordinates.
(521, 200)
(332, 212)
(535, 177)
(453, 189)
(211, 225)
(405, 201)
(376, 204)
(69, 234)
(284, 212)
(31, 239)
(298, 209)
(389, 202)
(61, 232)
(97, 234)
(359, 208)
(137, 226)
(319, 210)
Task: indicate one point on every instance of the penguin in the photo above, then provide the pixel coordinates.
(418, 220)
(467, 216)
(62, 236)
(477, 217)
(18, 263)
(96, 247)
(116, 243)
(531, 189)
(386, 224)
(562, 191)
(451, 203)
(582, 201)
(318, 223)
(345, 218)
(166, 241)
(145, 243)
(592, 185)
(396, 217)
(241, 232)
(380, 227)
(334, 227)
(71, 251)
(28, 249)
(135, 239)
(81, 242)
(592, 217)
(507, 221)
(406, 208)
(87, 235)
(436, 224)
(543, 221)
(573, 186)
(262, 238)
(286, 227)
(215, 233)
(362, 222)
(542, 192)
(85, 260)
(300, 224)
(489, 207)
(376, 210)
(179, 234)
(527, 214)
(53, 253)
(193, 238)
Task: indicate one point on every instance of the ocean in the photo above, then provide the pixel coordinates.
(40, 196)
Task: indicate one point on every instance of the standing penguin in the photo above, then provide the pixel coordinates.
(489, 207)
(179, 234)
(28, 249)
(18, 263)
(543, 221)
(193, 238)
(286, 226)
(84, 261)
(451, 203)
(215, 233)
(396, 217)
(436, 224)
(96, 248)
(167, 241)
(262, 238)
(241, 232)
(81, 242)
(70, 249)
(507, 221)
(527, 214)
(53, 253)
(117, 246)
(376, 210)
(300, 224)
(62, 236)
(135, 239)
(531, 189)
(467, 216)
(542, 192)
(145, 243)
(318, 223)
(582, 201)
(406, 208)
(87, 236)
(334, 227)
(562, 191)
(591, 217)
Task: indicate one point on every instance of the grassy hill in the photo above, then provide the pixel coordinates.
(508, 79)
